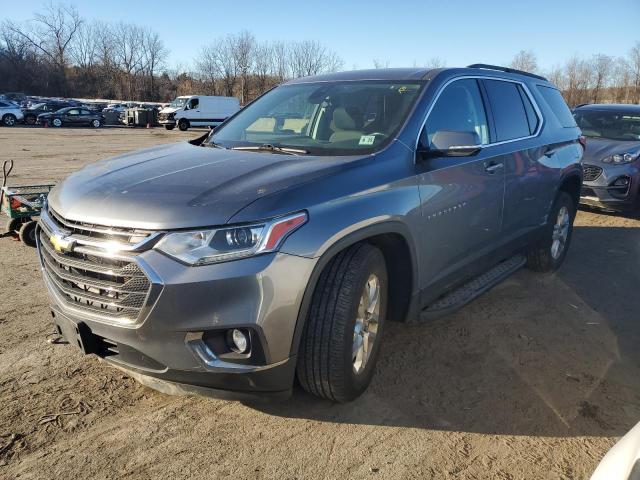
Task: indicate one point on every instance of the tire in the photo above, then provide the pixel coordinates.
(326, 365)
(56, 122)
(169, 127)
(27, 233)
(542, 256)
(183, 125)
(96, 123)
(13, 225)
(30, 120)
(9, 120)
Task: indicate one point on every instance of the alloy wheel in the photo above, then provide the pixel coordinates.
(366, 327)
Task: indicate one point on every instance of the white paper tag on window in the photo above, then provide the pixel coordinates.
(367, 140)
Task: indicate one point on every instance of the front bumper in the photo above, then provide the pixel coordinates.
(603, 193)
(165, 348)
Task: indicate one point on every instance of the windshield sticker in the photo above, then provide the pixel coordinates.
(367, 140)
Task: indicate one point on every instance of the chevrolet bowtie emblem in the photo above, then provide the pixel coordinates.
(61, 244)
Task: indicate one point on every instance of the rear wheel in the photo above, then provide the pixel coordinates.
(96, 123)
(30, 120)
(183, 125)
(9, 120)
(27, 233)
(341, 340)
(548, 253)
(169, 127)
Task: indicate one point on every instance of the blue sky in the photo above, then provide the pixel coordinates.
(401, 32)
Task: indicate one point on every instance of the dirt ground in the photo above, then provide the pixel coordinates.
(534, 380)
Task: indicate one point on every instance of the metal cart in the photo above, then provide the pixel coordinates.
(21, 204)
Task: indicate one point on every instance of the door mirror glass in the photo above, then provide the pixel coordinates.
(450, 143)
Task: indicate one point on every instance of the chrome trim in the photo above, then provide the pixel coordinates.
(111, 246)
(212, 363)
(488, 77)
(94, 228)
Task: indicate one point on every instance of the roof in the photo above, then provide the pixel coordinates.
(611, 107)
(408, 74)
(393, 74)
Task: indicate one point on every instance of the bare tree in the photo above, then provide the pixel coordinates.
(128, 55)
(280, 54)
(525, 60)
(154, 56)
(262, 66)
(634, 62)
(51, 33)
(377, 63)
(601, 72)
(309, 57)
(242, 47)
(435, 62)
(621, 81)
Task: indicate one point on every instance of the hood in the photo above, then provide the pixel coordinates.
(181, 185)
(167, 110)
(599, 148)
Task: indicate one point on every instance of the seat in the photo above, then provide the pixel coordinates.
(346, 124)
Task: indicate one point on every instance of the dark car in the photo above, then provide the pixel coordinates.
(611, 162)
(282, 243)
(72, 117)
(31, 113)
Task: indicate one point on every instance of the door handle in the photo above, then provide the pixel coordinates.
(493, 167)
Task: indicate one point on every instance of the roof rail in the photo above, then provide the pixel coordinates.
(506, 69)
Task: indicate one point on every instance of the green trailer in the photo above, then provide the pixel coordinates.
(21, 204)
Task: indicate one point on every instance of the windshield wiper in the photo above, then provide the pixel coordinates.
(267, 147)
(213, 145)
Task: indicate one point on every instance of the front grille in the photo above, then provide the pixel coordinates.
(92, 279)
(590, 172)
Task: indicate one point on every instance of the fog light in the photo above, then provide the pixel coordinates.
(621, 182)
(239, 341)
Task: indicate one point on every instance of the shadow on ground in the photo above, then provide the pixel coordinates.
(551, 355)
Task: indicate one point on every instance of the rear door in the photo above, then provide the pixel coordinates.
(72, 116)
(85, 117)
(461, 197)
(517, 120)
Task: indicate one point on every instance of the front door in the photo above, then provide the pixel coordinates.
(461, 197)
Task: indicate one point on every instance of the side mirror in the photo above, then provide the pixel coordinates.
(449, 143)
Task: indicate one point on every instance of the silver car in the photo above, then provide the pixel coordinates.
(280, 245)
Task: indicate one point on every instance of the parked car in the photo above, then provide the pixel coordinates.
(16, 97)
(72, 117)
(611, 161)
(622, 462)
(115, 107)
(31, 113)
(197, 111)
(283, 242)
(10, 113)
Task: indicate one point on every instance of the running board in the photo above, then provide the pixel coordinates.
(471, 290)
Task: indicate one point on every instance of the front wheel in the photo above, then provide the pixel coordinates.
(342, 334)
(548, 253)
(169, 127)
(183, 125)
(56, 122)
(30, 120)
(9, 120)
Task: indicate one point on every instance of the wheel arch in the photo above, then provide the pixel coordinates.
(571, 184)
(394, 240)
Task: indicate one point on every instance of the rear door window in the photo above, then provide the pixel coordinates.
(532, 117)
(509, 112)
(558, 106)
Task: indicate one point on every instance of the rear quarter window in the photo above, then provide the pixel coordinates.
(558, 106)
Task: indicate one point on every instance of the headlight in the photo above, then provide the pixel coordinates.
(620, 158)
(203, 247)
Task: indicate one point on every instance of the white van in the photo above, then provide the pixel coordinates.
(197, 111)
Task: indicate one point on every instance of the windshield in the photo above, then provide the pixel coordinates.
(178, 102)
(36, 106)
(608, 124)
(341, 118)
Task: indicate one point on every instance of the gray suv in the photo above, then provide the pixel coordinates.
(281, 244)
